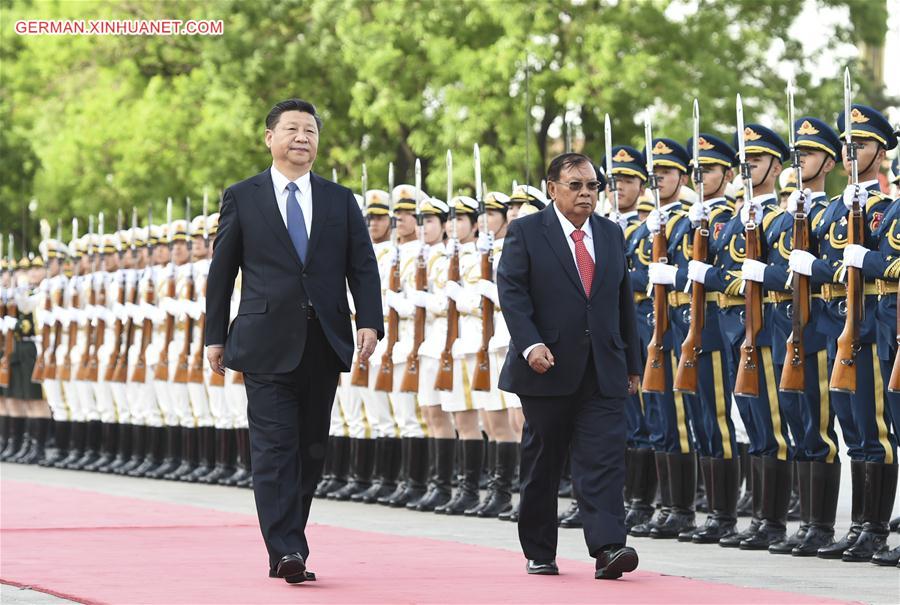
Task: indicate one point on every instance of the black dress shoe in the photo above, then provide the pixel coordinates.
(292, 568)
(310, 576)
(614, 561)
(542, 568)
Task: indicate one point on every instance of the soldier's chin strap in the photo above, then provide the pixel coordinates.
(768, 170)
(872, 161)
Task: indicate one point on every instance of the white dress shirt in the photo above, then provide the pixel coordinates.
(568, 228)
(304, 196)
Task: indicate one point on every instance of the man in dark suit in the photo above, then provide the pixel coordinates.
(573, 360)
(299, 241)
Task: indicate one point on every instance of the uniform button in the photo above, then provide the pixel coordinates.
(589, 307)
(587, 332)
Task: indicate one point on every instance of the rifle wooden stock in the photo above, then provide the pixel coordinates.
(182, 367)
(139, 374)
(843, 374)
(410, 383)
(83, 371)
(238, 378)
(195, 373)
(385, 379)
(444, 379)
(8, 344)
(65, 373)
(121, 372)
(162, 365)
(793, 377)
(51, 369)
(894, 383)
(747, 382)
(359, 377)
(40, 364)
(93, 369)
(481, 377)
(118, 328)
(686, 378)
(654, 380)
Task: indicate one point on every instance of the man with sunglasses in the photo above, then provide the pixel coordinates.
(574, 359)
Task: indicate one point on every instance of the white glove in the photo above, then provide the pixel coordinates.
(859, 193)
(757, 214)
(195, 310)
(662, 274)
(135, 312)
(795, 197)
(801, 262)
(753, 270)
(485, 242)
(656, 219)
(9, 322)
(488, 289)
(854, 255)
(453, 290)
(420, 298)
(697, 213)
(697, 271)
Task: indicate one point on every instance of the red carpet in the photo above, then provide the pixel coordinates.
(96, 548)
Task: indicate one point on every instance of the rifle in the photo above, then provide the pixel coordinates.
(195, 373)
(444, 379)
(162, 365)
(51, 370)
(37, 375)
(83, 366)
(139, 375)
(118, 327)
(182, 368)
(10, 311)
(607, 135)
(655, 370)
(481, 377)
(360, 375)
(747, 381)
(686, 378)
(65, 373)
(410, 382)
(843, 375)
(894, 383)
(793, 377)
(385, 379)
(100, 300)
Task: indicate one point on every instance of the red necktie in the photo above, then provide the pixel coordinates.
(583, 260)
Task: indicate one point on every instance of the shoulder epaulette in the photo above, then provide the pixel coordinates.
(875, 197)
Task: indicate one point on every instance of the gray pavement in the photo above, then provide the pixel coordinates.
(833, 579)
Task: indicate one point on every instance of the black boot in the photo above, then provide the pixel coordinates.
(189, 452)
(362, 463)
(172, 458)
(643, 491)
(93, 439)
(858, 490)
(139, 440)
(206, 454)
(754, 488)
(824, 485)
(565, 480)
(154, 449)
(499, 498)
(60, 430)
(683, 486)
(4, 431)
(337, 460)
(643, 530)
(803, 484)
(701, 504)
(16, 428)
(25, 443)
(490, 461)
(39, 442)
(881, 488)
(242, 458)
(512, 515)
(794, 512)
(124, 435)
(387, 462)
(413, 488)
(776, 495)
(722, 492)
(571, 517)
(109, 445)
(439, 489)
(705, 465)
(76, 445)
(466, 495)
(225, 456)
(745, 503)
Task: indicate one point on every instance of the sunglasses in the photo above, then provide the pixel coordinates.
(577, 185)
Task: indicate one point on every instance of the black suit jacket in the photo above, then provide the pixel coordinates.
(543, 300)
(269, 333)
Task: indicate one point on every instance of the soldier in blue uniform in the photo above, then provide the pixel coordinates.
(807, 413)
(770, 448)
(872, 448)
(675, 409)
(711, 406)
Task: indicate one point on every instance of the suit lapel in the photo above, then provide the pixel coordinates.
(602, 253)
(268, 207)
(554, 233)
(321, 206)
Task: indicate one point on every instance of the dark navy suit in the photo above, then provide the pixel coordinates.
(292, 336)
(579, 404)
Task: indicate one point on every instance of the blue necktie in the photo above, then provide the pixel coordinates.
(296, 224)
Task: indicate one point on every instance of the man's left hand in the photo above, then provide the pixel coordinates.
(633, 383)
(366, 339)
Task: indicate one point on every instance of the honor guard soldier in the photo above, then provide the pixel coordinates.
(871, 446)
